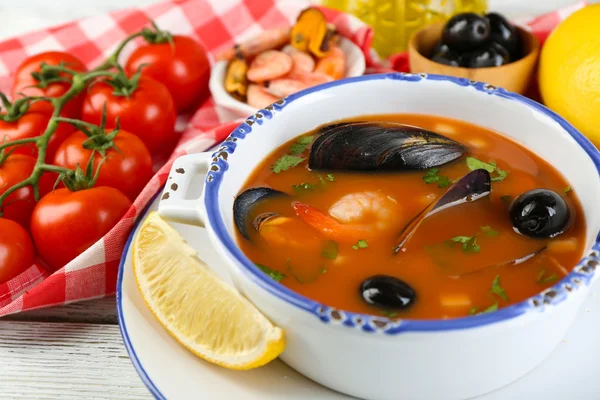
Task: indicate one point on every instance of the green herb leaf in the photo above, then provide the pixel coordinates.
(443, 182)
(498, 289)
(490, 167)
(286, 162)
(361, 244)
(330, 250)
(389, 314)
(473, 310)
(501, 175)
(474, 164)
(275, 275)
(330, 178)
(303, 187)
(432, 176)
(489, 231)
(493, 307)
(568, 189)
(542, 279)
(469, 243)
(301, 144)
(323, 270)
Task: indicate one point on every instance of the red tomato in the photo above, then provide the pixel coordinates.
(16, 250)
(19, 205)
(182, 67)
(25, 83)
(33, 124)
(149, 112)
(128, 169)
(64, 224)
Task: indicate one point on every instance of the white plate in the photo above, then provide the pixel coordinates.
(171, 372)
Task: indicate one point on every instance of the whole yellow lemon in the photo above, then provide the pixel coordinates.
(569, 71)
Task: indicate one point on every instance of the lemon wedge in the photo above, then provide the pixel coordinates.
(203, 313)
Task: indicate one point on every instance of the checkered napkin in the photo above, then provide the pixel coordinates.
(217, 24)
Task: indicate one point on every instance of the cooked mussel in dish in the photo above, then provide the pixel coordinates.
(243, 205)
(382, 215)
(380, 146)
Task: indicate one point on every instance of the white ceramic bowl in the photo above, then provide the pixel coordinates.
(369, 356)
(355, 66)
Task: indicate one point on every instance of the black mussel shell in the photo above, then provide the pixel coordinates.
(242, 208)
(387, 292)
(466, 32)
(540, 213)
(490, 55)
(442, 54)
(475, 185)
(380, 146)
(505, 34)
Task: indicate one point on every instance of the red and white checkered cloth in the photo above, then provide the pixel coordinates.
(215, 23)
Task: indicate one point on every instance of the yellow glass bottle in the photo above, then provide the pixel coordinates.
(394, 21)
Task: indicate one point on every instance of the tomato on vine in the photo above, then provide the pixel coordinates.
(126, 161)
(19, 205)
(65, 223)
(179, 62)
(30, 81)
(144, 107)
(18, 121)
(16, 250)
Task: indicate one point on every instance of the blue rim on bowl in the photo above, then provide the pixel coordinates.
(582, 274)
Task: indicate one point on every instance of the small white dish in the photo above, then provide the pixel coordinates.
(355, 66)
(569, 372)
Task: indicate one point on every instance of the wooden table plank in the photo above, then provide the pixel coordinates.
(65, 360)
(99, 311)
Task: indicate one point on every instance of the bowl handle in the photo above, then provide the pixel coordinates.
(175, 205)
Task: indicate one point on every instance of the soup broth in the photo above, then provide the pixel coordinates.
(335, 229)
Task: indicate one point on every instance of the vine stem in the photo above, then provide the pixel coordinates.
(18, 142)
(114, 58)
(78, 84)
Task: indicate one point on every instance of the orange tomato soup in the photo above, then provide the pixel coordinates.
(458, 262)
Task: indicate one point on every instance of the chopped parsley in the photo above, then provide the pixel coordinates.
(498, 289)
(469, 243)
(389, 314)
(489, 231)
(301, 145)
(303, 187)
(490, 167)
(432, 176)
(275, 275)
(330, 178)
(542, 279)
(330, 250)
(361, 244)
(568, 189)
(475, 311)
(323, 270)
(286, 162)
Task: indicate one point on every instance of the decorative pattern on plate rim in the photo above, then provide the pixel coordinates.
(583, 274)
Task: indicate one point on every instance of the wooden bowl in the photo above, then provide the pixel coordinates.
(514, 76)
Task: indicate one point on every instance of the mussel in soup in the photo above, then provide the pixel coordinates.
(243, 205)
(380, 146)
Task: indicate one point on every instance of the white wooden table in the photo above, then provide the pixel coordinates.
(76, 351)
